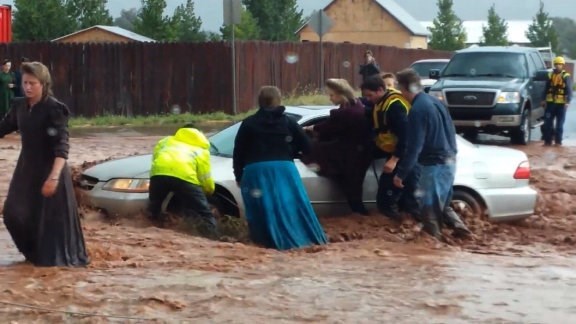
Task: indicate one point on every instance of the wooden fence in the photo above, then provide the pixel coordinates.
(149, 78)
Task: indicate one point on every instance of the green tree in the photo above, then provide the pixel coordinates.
(127, 18)
(566, 30)
(448, 34)
(88, 13)
(247, 29)
(152, 22)
(496, 32)
(541, 32)
(185, 25)
(277, 20)
(40, 20)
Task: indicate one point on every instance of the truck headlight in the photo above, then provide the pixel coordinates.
(508, 98)
(127, 185)
(438, 94)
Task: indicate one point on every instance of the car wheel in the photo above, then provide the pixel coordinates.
(466, 205)
(216, 206)
(522, 135)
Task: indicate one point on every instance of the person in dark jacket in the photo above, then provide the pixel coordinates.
(18, 90)
(278, 209)
(431, 144)
(344, 145)
(370, 67)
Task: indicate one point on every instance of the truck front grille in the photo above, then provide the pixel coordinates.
(470, 98)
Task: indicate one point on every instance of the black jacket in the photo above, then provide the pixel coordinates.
(268, 135)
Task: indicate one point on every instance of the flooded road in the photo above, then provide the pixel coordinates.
(508, 273)
(153, 275)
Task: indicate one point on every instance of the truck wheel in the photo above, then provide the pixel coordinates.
(522, 134)
(471, 135)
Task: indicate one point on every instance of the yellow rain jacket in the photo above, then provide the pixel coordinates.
(385, 139)
(556, 92)
(185, 156)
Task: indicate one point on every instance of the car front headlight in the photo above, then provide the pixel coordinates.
(438, 94)
(508, 98)
(127, 185)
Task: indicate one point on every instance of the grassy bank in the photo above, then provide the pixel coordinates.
(180, 119)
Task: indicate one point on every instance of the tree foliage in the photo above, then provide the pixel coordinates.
(151, 21)
(541, 32)
(277, 20)
(448, 33)
(566, 30)
(88, 13)
(185, 25)
(247, 29)
(41, 20)
(496, 32)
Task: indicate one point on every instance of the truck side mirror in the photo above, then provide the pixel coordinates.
(434, 74)
(541, 75)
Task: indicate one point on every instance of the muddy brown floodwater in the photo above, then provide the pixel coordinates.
(376, 273)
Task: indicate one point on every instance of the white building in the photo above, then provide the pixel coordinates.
(516, 30)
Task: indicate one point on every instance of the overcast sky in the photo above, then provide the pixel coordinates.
(211, 10)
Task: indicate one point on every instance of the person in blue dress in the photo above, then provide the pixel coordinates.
(278, 209)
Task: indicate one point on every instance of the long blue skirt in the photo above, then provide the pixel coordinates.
(278, 209)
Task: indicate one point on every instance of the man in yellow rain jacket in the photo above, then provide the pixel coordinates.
(558, 95)
(181, 166)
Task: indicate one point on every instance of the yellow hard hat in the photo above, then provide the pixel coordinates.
(559, 60)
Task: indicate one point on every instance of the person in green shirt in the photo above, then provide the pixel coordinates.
(6, 85)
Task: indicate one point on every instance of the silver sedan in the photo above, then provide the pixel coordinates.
(490, 181)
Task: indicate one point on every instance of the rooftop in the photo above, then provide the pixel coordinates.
(114, 30)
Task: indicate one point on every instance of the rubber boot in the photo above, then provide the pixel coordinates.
(453, 221)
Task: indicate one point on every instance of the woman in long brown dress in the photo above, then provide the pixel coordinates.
(40, 211)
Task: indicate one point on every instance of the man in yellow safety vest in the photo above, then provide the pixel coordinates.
(558, 95)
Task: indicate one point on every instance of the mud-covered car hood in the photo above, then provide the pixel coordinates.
(138, 166)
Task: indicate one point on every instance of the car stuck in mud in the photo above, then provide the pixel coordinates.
(490, 181)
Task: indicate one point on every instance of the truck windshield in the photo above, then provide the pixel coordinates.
(483, 64)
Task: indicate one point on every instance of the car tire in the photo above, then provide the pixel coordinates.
(467, 205)
(522, 135)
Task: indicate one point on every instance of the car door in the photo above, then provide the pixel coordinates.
(324, 192)
(537, 87)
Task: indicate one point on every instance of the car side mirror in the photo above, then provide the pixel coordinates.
(434, 74)
(542, 75)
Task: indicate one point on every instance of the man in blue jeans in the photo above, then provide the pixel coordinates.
(431, 144)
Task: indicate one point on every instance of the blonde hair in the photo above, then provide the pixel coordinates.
(269, 96)
(40, 72)
(341, 87)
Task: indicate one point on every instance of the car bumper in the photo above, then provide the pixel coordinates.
(509, 204)
(116, 203)
(495, 121)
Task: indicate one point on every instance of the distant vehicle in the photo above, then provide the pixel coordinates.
(490, 180)
(423, 67)
(494, 90)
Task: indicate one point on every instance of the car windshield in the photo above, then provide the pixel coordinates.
(483, 64)
(222, 143)
(423, 68)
